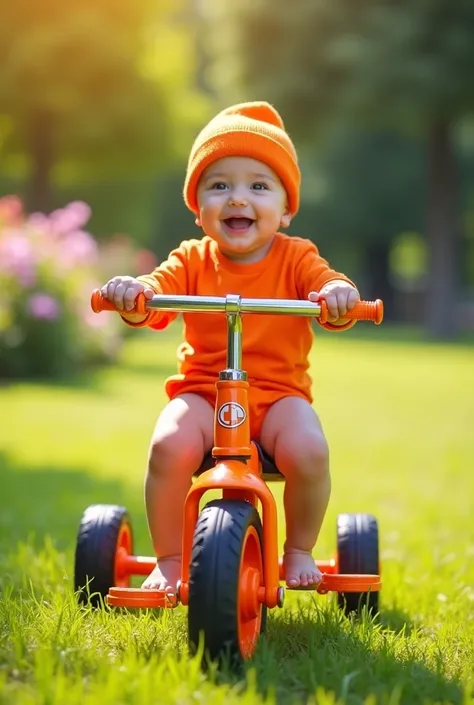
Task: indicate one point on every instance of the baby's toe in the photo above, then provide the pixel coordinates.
(152, 584)
(293, 580)
(304, 579)
(155, 581)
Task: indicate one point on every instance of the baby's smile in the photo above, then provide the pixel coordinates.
(238, 224)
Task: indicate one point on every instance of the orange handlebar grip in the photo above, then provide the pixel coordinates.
(362, 311)
(101, 303)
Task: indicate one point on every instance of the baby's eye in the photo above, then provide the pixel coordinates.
(259, 186)
(219, 186)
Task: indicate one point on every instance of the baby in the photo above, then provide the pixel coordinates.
(242, 184)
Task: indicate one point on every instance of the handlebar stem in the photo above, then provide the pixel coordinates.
(234, 342)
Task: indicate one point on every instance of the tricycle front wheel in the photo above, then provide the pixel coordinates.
(225, 573)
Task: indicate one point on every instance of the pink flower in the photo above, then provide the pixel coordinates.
(44, 306)
(77, 248)
(17, 257)
(40, 222)
(72, 217)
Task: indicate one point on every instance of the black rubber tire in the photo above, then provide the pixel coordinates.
(358, 552)
(95, 551)
(214, 578)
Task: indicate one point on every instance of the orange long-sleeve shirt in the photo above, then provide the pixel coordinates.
(275, 348)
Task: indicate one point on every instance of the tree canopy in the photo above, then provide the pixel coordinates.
(91, 87)
(403, 63)
(406, 65)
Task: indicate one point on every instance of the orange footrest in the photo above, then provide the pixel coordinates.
(152, 599)
(337, 582)
(138, 597)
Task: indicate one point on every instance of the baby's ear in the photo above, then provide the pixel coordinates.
(285, 219)
(198, 221)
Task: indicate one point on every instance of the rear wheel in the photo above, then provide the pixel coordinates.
(104, 532)
(225, 574)
(358, 552)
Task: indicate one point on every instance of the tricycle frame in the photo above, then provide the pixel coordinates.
(238, 469)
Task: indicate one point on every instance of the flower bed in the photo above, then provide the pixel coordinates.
(48, 267)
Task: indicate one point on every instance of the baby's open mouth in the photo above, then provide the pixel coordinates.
(238, 223)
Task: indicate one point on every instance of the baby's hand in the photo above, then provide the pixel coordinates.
(123, 291)
(340, 297)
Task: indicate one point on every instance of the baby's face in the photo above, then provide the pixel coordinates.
(242, 204)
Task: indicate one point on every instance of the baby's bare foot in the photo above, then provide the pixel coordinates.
(165, 575)
(300, 569)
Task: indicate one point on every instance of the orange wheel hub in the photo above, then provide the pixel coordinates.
(123, 550)
(249, 605)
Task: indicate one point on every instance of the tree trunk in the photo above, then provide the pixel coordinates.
(443, 274)
(40, 136)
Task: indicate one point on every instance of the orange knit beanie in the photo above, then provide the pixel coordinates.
(253, 130)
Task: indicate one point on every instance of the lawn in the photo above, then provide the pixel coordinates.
(398, 416)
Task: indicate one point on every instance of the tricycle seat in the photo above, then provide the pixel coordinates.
(270, 472)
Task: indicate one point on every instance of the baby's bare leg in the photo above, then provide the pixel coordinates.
(292, 434)
(183, 435)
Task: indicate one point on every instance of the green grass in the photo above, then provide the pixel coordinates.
(398, 416)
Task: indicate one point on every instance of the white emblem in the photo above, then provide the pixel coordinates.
(231, 415)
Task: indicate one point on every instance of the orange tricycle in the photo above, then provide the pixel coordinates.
(231, 572)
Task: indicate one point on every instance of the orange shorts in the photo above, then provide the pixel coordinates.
(260, 400)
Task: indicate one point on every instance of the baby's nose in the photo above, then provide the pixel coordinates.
(236, 199)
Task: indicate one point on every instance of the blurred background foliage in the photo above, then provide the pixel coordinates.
(100, 101)
(49, 264)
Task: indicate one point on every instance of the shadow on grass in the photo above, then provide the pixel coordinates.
(86, 380)
(318, 647)
(95, 380)
(397, 621)
(40, 502)
(148, 354)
